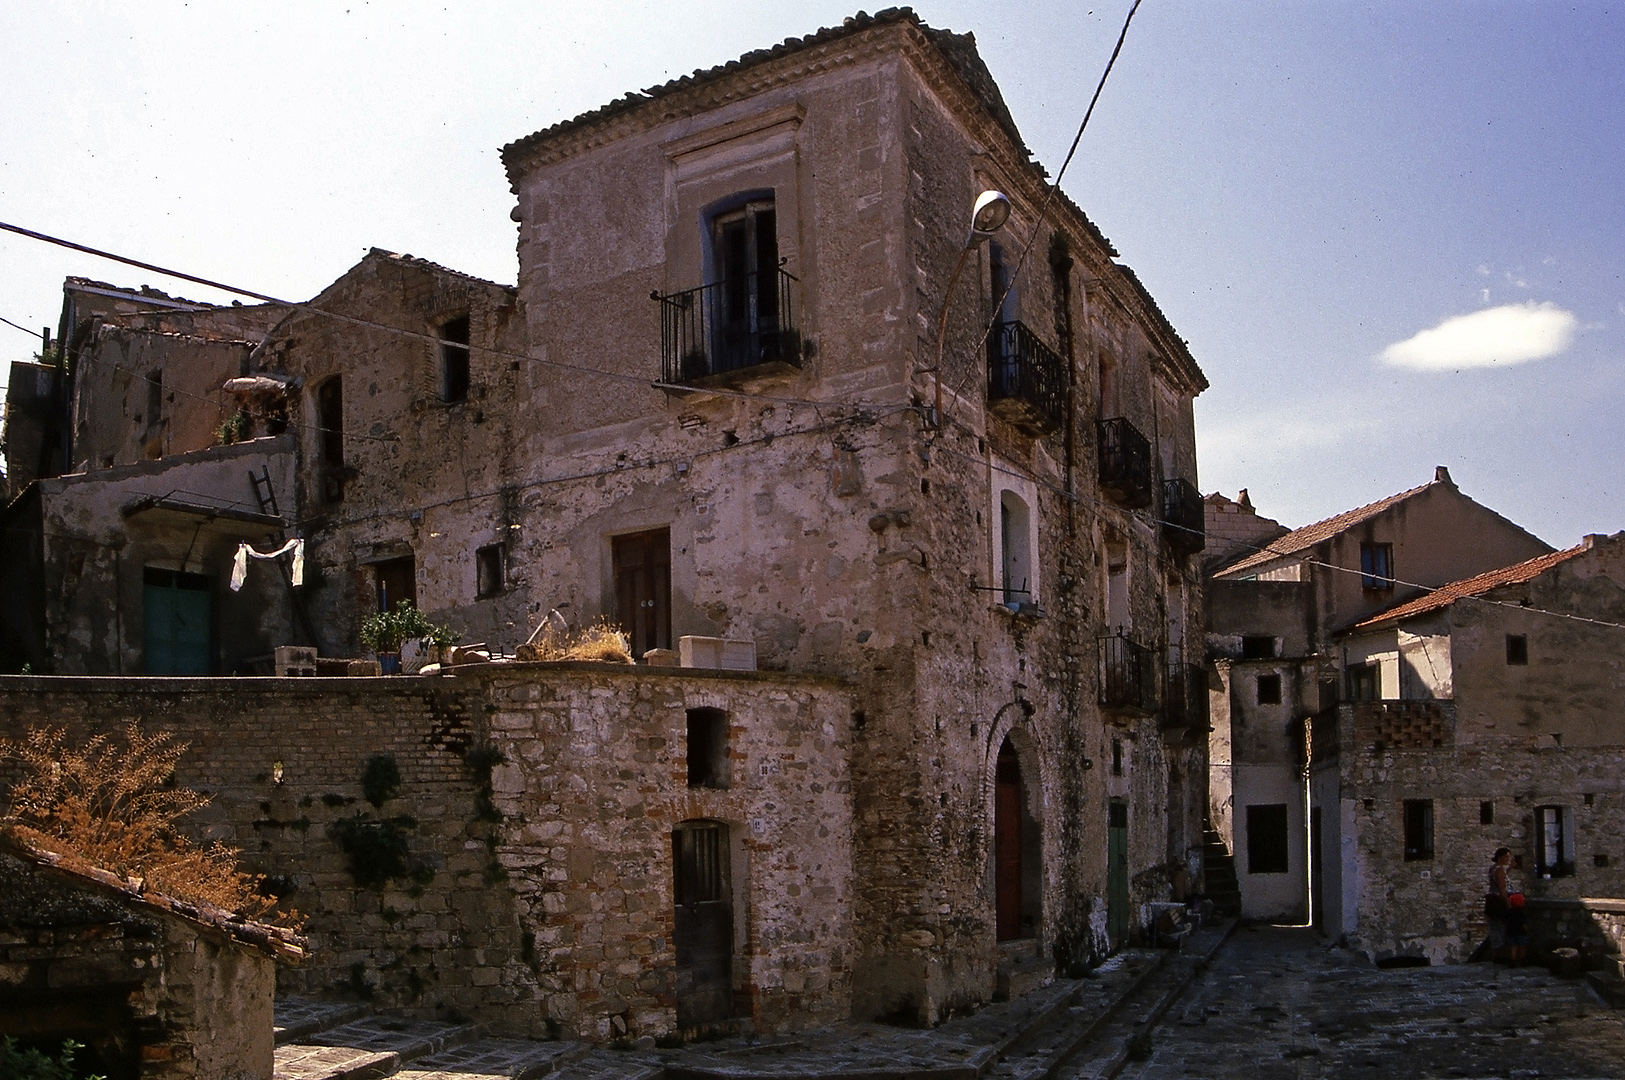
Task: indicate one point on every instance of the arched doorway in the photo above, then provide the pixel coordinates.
(703, 930)
(1016, 849)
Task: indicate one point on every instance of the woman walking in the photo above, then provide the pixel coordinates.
(1508, 938)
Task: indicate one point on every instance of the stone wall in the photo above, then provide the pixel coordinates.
(536, 806)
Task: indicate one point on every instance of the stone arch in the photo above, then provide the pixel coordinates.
(1013, 782)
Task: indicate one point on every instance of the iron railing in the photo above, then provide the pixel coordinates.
(1128, 675)
(1184, 702)
(1183, 526)
(1026, 379)
(1125, 462)
(731, 325)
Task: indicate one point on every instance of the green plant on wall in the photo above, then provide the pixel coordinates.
(234, 428)
(377, 847)
(19, 1064)
(387, 631)
(381, 779)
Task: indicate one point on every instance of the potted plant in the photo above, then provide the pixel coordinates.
(386, 631)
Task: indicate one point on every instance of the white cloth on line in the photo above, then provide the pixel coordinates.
(239, 564)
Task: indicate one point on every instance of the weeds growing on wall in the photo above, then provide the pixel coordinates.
(19, 1064)
(381, 779)
(113, 803)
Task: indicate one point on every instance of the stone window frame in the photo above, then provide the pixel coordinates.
(1563, 818)
(1024, 492)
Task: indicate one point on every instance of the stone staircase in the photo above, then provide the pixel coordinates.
(343, 1041)
(1022, 969)
(1219, 868)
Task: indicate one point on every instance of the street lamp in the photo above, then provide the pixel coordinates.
(987, 217)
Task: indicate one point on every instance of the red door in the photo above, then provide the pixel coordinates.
(1007, 845)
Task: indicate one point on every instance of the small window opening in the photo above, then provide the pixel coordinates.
(1554, 841)
(1377, 567)
(1517, 649)
(1599, 859)
(1117, 757)
(1269, 689)
(454, 357)
(1486, 813)
(1267, 845)
(925, 486)
(1257, 647)
(707, 748)
(1418, 829)
(491, 570)
(1364, 683)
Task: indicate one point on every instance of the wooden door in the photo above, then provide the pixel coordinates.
(643, 588)
(1007, 838)
(1117, 872)
(176, 622)
(703, 930)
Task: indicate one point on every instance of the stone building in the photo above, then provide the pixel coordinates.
(710, 408)
(1274, 615)
(1499, 721)
(153, 988)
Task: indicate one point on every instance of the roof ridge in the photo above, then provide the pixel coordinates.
(1451, 591)
(428, 264)
(1307, 536)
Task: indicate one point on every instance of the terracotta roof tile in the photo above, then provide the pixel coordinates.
(1307, 537)
(1445, 595)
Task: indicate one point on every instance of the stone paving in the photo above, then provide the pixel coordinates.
(1279, 1004)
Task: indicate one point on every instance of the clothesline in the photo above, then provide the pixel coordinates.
(239, 564)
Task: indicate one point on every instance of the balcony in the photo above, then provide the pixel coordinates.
(1026, 379)
(1125, 463)
(742, 324)
(1183, 525)
(1128, 676)
(1184, 704)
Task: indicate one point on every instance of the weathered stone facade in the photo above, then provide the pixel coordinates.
(1007, 586)
(1506, 733)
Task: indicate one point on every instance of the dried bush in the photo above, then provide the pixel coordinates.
(602, 641)
(113, 803)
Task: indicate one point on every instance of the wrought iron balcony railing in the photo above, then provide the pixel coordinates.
(1184, 703)
(1125, 463)
(1183, 526)
(1026, 379)
(732, 325)
(1128, 675)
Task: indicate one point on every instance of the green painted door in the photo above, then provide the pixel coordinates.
(1117, 872)
(175, 620)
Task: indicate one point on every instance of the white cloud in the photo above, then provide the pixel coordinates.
(1495, 337)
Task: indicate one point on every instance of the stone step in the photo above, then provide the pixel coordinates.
(372, 1046)
(1017, 977)
(297, 1017)
(497, 1059)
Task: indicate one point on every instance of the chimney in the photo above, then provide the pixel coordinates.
(1441, 475)
(1243, 500)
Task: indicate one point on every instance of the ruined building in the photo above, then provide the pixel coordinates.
(710, 409)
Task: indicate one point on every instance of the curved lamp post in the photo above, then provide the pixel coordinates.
(988, 216)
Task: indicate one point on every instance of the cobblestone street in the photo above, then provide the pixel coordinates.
(1277, 1003)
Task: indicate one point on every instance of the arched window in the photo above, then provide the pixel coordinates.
(1015, 546)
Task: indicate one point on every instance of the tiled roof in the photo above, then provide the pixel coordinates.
(434, 267)
(960, 50)
(1307, 537)
(1445, 595)
(1155, 311)
(278, 941)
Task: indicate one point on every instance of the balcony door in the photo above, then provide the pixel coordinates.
(643, 588)
(745, 272)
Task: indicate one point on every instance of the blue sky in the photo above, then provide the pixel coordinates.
(1392, 233)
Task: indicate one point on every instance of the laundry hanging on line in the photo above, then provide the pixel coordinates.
(239, 565)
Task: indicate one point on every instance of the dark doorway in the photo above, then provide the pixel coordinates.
(1016, 852)
(1117, 872)
(396, 582)
(643, 588)
(704, 927)
(330, 433)
(175, 622)
(1317, 899)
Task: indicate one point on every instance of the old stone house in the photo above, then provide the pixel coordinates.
(153, 988)
(1274, 615)
(710, 409)
(1499, 721)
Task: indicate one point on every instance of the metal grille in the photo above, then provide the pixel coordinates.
(1128, 675)
(1125, 462)
(1024, 371)
(731, 325)
(1183, 526)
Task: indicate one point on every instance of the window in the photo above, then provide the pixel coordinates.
(745, 280)
(330, 435)
(454, 369)
(1015, 545)
(490, 565)
(1117, 604)
(1267, 839)
(1117, 757)
(396, 581)
(642, 568)
(1517, 649)
(1418, 829)
(1554, 841)
(1377, 567)
(707, 748)
(1257, 647)
(1365, 682)
(1486, 813)
(1269, 689)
